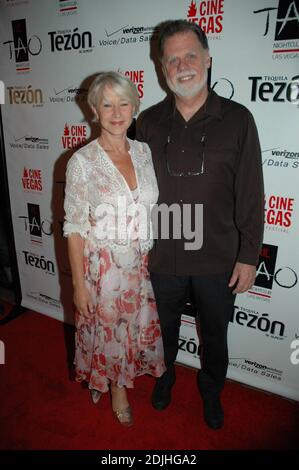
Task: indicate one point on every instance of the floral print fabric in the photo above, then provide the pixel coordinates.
(122, 337)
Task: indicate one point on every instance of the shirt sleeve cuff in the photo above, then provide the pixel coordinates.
(248, 256)
(69, 229)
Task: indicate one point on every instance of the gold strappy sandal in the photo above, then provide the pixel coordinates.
(125, 417)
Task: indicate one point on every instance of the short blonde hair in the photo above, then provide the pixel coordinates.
(119, 83)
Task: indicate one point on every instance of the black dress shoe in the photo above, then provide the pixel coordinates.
(213, 412)
(161, 396)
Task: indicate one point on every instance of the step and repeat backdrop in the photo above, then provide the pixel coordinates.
(51, 50)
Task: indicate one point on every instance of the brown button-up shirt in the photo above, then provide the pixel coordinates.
(221, 140)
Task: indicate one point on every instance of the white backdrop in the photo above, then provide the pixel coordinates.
(49, 52)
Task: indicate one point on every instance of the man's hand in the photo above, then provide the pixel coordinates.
(243, 276)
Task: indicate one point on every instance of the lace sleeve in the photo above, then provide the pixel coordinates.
(76, 205)
(145, 150)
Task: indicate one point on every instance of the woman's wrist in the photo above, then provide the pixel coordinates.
(78, 285)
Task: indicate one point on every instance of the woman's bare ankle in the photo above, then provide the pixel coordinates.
(119, 397)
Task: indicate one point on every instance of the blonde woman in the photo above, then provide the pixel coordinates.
(110, 188)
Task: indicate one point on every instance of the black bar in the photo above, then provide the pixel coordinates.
(157, 458)
(6, 208)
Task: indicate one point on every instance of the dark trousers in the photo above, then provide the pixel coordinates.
(214, 303)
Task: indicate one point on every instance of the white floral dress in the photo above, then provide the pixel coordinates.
(122, 337)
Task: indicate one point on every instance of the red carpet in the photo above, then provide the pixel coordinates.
(43, 408)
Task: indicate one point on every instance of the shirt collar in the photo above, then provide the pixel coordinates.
(212, 107)
(167, 109)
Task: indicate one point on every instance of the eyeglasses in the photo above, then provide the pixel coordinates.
(201, 158)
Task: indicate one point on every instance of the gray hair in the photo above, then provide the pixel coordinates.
(119, 83)
(171, 27)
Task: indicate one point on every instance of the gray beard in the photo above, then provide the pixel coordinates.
(185, 92)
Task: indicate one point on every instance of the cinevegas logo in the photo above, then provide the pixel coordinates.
(74, 136)
(32, 180)
(208, 15)
(137, 77)
(278, 213)
(22, 48)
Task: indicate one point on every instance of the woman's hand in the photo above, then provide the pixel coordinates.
(82, 301)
